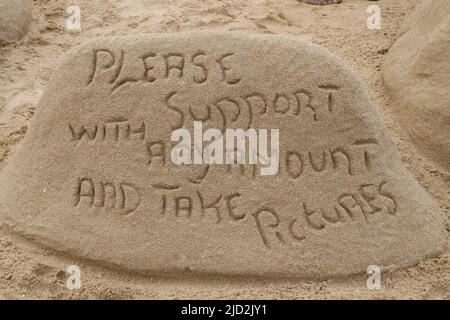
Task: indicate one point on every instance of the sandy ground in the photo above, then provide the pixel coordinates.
(30, 272)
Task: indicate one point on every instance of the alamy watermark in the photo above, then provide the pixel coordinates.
(239, 146)
(374, 279)
(74, 277)
(73, 22)
(374, 20)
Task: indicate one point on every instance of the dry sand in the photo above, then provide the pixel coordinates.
(27, 271)
(416, 77)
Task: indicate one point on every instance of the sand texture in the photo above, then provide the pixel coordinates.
(416, 74)
(48, 81)
(15, 18)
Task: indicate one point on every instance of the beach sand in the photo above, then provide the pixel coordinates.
(28, 271)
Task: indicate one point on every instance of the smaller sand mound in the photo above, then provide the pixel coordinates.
(15, 18)
(417, 76)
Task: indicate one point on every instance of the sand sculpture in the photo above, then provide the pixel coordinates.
(15, 18)
(94, 178)
(416, 75)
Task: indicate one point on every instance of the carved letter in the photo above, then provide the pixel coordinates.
(272, 225)
(225, 69)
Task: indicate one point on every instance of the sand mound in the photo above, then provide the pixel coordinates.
(15, 18)
(417, 76)
(94, 177)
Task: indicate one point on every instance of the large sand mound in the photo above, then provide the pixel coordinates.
(15, 18)
(417, 76)
(94, 178)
